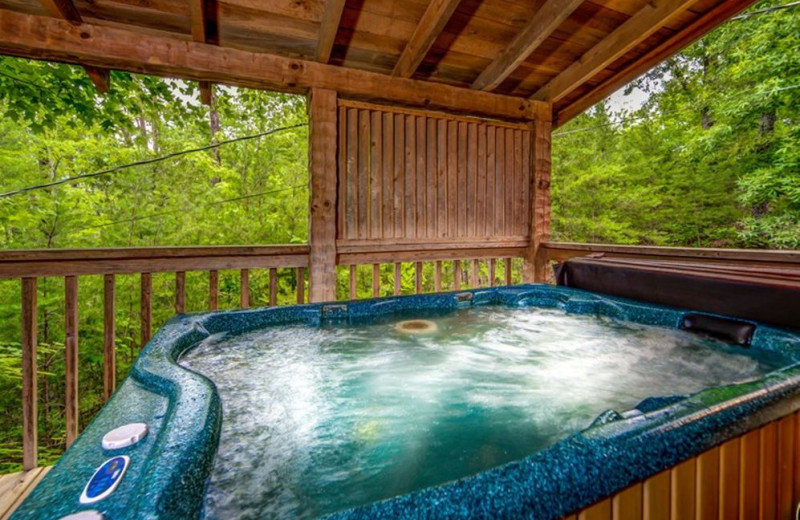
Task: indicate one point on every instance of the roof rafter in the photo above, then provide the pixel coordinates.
(431, 24)
(706, 23)
(63, 9)
(328, 27)
(544, 22)
(42, 37)
(203, 21)
(636, 29)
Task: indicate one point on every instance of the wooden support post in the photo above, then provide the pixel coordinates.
(71, 357)
(273, 286)
(397, 279)
(535, 265)
(353, 279)
(437, 277)
(109, 338)
(474, 275)
(322, 173)
(213, 289)
(301, 285)
(180, 292)
(507, 276)
(30, 443)
(146, 308)
(244, 292)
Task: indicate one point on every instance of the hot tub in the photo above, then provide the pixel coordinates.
(517, 402)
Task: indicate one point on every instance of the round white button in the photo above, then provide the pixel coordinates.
(124, 436)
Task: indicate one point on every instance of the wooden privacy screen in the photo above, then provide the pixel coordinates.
(414, 176)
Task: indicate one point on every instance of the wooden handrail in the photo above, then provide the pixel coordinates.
(560, 251)
(73, 262)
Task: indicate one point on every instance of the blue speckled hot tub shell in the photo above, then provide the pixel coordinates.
(168, 470)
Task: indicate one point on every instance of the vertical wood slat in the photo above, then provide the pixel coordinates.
(146, 307)
(729, 479)
(180, 292)
(452, 179)
(656, 497)
(410, 178)
(418, 277)
(443, 168)
(397, 278)
(599, 511)
(301, 285)
(627, 504)
(422, 187)
(71, 413)
(786, 457)
(749, 473)
(492, 267)
(244, 288)
(461, 181)
(507, 274)
(767, 490)
(397, 175)
(353, 272)
(343, 226)
(437, 277)
(474, 275)
(376, 177)
(472, 180)
(387, 230)
(708, 484)
(30, 438)
(682, 493)
(456, 275)
(376, 280)
(109, 337)
(213, 289)
(350, 173)
(363, 172)
(273, 286)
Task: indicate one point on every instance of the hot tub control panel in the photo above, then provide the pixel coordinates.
(105, 479)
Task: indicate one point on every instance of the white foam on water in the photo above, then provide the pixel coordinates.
(316, 420)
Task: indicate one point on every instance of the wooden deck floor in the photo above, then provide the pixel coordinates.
(14, 487)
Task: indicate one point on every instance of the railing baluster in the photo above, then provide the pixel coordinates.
(273, 286)
(474, 282)
(397, 278)
(146, 308)
(456, 275)
(508, 271)
(180, 292)
(353, 273)
(71, 357)
(376, 280)
(109, 338)
(418, 277)
(213, 289)
(492, 262)
(244, 297)
(301, 285)
(30, 443)
(437, 277)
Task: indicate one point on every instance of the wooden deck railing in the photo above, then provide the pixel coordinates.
(445, 268)
(30, 266)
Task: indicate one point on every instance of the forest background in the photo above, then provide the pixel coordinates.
(710, 159)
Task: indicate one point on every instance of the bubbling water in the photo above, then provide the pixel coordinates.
(316, 420)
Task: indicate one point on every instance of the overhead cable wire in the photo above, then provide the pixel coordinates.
(144, 162)
(184, 210)
(772, 9)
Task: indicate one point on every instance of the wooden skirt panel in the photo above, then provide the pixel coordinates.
(755, 476)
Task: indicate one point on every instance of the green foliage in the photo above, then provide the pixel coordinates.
(711, 159)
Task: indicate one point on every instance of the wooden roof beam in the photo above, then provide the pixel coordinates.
(635, 30)
(203, 21)
(430, 25)
(678, 41)
(47, 38)
(206, 92)
(63, 9)
(541, 26)
(328, 27)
